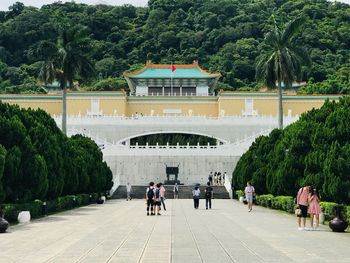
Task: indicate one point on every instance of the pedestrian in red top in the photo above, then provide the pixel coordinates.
(302, 201)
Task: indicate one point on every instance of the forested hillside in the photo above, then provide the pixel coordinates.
(224, 35)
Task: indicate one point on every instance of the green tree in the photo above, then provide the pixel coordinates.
(283, 60)
(2, 168)
(69, 62)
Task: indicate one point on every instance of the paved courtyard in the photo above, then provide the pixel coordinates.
(119, 231)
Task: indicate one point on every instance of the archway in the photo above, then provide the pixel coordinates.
(173, 137)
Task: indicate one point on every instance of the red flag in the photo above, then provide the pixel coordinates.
(173, 68)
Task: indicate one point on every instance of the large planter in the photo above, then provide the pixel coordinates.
(337, 224)
(23, 217)
(3, 225)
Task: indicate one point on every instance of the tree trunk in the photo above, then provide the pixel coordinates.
(64, 110)
(280, 105)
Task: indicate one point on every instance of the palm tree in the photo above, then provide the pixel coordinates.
(69, 61)
(282, 62)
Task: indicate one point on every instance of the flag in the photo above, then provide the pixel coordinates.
(173, 68)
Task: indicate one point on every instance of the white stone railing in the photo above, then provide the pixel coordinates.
(198, 119)
(228, 185)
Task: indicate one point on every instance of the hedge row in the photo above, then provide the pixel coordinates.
(288, 204)
(37, 208)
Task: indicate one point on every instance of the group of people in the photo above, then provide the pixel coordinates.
(217, 178)
(308, 201)
(209, 194)
(155, 197)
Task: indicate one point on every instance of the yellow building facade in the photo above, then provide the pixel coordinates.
(118, 103)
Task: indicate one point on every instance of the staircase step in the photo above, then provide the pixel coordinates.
(185, 192)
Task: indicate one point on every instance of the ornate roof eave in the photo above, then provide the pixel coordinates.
(149, 64)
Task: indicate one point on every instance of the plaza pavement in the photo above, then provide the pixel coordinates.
(119, 231)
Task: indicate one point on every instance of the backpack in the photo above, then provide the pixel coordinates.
(150, 193)
(157, 193)
(208, 191)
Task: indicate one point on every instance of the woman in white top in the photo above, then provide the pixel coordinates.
(249, 193)
(196, 194)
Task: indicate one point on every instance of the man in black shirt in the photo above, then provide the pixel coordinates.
(208, 195)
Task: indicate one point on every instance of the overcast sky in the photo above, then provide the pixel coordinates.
(4, 4)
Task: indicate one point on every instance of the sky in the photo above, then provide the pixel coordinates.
(4, 4)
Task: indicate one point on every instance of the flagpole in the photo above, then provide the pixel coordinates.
(171, 79)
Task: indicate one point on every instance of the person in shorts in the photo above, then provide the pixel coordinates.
(249, 193)
(157, 200)
(150, 198)
(302, 202)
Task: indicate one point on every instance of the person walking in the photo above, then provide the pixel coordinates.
(150, 198)
(209, 194)
(249, 193)
(215, 178)
(210, 178)
(176, 191)
(219, 178)
(128, 191)
(196, 194)
(157, 200)
(162, 195)
(314, 208)
(223, 178)
(302, 202)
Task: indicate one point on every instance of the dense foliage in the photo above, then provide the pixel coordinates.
(315, 150)
(224, 35)
(173, 139)
(38, 162)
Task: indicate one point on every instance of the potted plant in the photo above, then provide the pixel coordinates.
(338, 224)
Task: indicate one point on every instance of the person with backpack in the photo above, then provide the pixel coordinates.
(157, 200)
(209, 193)
(196, 192)
(150, 198)
(176, 191)
(249, 193)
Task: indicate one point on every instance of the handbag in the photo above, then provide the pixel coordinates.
(297, 211)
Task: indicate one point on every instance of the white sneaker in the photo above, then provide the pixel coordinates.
(300, 228)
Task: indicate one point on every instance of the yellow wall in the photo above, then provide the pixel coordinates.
(119, 104)
(115, 106)
(208, 108)
(53, 107)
